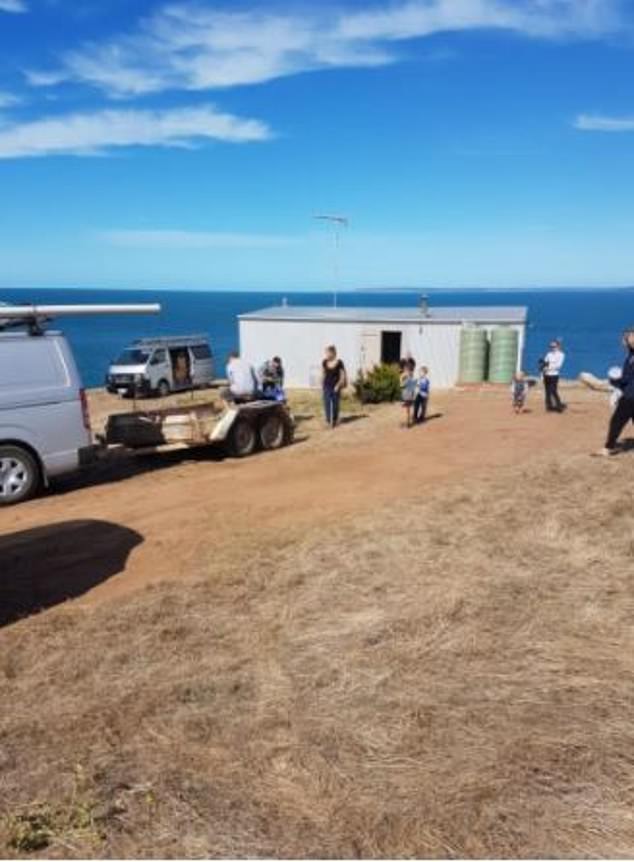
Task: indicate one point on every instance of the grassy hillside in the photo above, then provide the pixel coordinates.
(450, 676)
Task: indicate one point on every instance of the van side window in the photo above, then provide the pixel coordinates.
(159, 356)
(201, 351)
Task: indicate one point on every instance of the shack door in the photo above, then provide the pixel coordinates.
(391, 347)
(370, 349)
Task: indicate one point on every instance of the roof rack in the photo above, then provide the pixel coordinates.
(35, 317)
(171, 340)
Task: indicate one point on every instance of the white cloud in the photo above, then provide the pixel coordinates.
(599, 123)
(13, 6)
(192, 46)
(8, 100)
(183, 239)
(96, 133)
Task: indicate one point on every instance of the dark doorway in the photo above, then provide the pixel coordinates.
(391, 347)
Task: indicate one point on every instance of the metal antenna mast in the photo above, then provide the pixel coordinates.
(337, 222)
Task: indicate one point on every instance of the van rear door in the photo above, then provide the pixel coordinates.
(202, 364)
(35, 370)
(40, 401)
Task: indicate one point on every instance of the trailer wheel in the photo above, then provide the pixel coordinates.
(243, 439)
(272, 432)
(289, 428)
(19, 475)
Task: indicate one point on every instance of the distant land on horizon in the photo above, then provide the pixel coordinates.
(328, 290)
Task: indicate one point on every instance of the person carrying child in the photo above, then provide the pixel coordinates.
(422, 396)
(408, 391)
(519, 392)
(624, 406)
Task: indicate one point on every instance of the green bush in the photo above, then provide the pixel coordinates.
(382, 383)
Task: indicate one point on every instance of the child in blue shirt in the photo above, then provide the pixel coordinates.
(422, 396)
(519, 391)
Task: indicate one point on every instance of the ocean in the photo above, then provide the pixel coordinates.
(588, 321)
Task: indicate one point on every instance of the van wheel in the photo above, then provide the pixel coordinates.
(272, 432)
(19, 475)
(243, 439)
(163, 388)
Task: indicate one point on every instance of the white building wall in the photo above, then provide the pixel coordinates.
(301, 345)
(436, 345)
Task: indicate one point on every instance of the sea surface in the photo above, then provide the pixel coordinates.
(588, 321)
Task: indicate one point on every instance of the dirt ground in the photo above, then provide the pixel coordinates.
(187, 507)
(377, 643)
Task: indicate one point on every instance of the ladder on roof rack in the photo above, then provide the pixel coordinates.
(35, 317)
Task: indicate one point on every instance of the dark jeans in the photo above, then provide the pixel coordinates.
(551, 386)
(420, 408)
(331, 405)
(623, 412)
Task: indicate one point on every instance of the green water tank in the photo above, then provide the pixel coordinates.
(474, 348)
(504, 352)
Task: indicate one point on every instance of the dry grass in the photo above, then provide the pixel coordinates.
(453, 676)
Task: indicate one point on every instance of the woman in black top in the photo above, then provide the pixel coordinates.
(624, 410)
(333, 380)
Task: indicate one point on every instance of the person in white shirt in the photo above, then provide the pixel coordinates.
(552, 364)
(242, 379)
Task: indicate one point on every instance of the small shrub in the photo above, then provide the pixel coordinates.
(30, 831)
(382, 383)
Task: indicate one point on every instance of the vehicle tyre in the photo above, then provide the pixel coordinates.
(19, 475)
(163, 388)
(243, 439)
(272, 432)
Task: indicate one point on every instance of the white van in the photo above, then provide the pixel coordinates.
(158, 366)
(44, 422)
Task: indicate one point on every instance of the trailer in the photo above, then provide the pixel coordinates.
(241, 429)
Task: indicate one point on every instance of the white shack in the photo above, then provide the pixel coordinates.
(367, 336)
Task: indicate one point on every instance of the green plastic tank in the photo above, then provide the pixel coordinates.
(474, 348)
(503, 357)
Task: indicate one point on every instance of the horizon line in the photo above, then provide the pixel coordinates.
(327, 290)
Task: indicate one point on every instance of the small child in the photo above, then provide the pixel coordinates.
(422, 396)
(408, 392)
(519, 391)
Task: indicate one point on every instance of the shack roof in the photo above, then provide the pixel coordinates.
(441, 314)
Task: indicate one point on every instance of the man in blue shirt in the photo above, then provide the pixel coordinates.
(624, 410)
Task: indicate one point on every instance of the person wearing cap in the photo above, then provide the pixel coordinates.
(272, 374)
(552, 364)
(624, 410)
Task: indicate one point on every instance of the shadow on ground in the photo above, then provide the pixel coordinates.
(627, 445)
(352, 417)
(122, 466)
(44, 566)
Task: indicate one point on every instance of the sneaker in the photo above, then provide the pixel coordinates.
(604, 453)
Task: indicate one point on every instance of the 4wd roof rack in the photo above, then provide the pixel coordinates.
(171, 341)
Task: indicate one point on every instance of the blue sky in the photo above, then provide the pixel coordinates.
(189, 144)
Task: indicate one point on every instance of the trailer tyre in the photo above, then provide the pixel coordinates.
(243, 439)
(272, 432)
(19, 475)
(134, 430)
